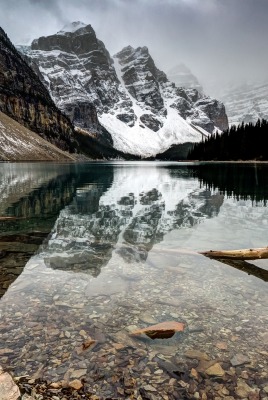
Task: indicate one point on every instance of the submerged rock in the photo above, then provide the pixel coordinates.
(76, 384)
(243, 389)
(198, 355)
(239, 359)
(8, 389)
(215, 370)
(163, 330)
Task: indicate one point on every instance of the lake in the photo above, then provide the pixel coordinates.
(91, 252)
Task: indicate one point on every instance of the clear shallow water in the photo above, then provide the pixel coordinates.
(122, 253)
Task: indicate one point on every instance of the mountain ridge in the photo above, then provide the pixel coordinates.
(142, 112)
(24, 98)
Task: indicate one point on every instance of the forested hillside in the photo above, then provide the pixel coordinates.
(243, 142)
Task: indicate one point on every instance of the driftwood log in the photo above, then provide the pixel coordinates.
(233, 258)
(237, 259)
(246, 267)
(243, 254)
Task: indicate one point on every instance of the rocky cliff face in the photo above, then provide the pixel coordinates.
(24, 98)
(142, 111)
(18, 143)
(150, 86)
(247, 102)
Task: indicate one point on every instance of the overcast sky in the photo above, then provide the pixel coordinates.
(220, 40)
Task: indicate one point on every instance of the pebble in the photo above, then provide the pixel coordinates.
(239, 359)
(76, 384)
(215, 370)
(78, 373)
(150, 388)
(198, 355)
(242, 390)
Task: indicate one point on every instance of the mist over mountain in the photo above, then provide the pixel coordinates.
(220, 41)
(182, 76)
(246, 102)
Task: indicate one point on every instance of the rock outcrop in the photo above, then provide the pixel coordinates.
(19, 143)
(246, 103)
(24, 98)
(143, 113)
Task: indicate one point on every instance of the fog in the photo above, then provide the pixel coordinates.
(221, 41)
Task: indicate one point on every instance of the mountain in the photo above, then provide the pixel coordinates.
(125, 100)
(247, 102)
(25, 99)
(183, 77)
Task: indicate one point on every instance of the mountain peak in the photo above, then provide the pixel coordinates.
(125, 52)
(72, 27)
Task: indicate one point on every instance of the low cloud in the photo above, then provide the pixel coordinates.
(219, 40)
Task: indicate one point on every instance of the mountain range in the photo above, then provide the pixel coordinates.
(71, 92)
(124, 101)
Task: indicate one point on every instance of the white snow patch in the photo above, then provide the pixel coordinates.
(145, 142)
(72, 27)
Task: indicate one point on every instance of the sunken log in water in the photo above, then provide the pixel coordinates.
(247, 267)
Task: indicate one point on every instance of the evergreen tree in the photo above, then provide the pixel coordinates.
(242, 142)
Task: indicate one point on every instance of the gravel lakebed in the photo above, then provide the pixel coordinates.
(67, 335)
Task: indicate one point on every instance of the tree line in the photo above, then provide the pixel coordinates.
(242, 142)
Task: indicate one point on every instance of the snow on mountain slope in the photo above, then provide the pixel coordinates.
(247, 102)
(72, 27)
(144, 141)
(143, 112)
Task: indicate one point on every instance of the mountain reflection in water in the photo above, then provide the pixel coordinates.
(32, 195)
(133, 214)
(88, 210)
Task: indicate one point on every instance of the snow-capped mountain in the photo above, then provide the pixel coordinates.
(182, 76)
(142, 110)
(247, 102)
